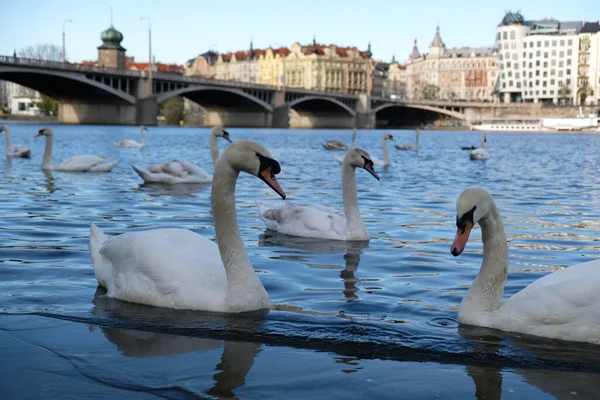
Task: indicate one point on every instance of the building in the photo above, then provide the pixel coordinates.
(396, 84)
(270, 66)
(131, 65)
(538, 59)
(240, 66)
(18, 99)
(588, 69)
(379, 77)
(111, 54)
(25, 106)
(464, 73)
(203, 65)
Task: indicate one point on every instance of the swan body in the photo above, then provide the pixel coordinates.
(324, 222)
(562, 305)
(334, 145)
(14, 150)
(133, 143)
(86, 163)
(178, 171)
(177, 268)
(408, 146)
(480, 153)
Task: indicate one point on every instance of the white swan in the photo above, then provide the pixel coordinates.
(334, 145)
(384, 149)
(14, 150)
(480, 153)
(87, 163)
(177, 268)
(409, 146)
(562, 305)
(324, 222)
(133, 143)
(178, 171)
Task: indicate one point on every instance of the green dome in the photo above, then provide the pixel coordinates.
(111, 39)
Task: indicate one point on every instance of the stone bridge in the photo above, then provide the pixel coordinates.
(95, 95)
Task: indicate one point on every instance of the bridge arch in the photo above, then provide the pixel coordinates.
(338, 103)
(453, 114)
(191, 89)
(23, 76)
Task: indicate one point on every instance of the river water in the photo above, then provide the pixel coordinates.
(374, 319)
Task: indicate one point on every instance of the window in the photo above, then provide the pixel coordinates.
(552, 92)
(504, 35)
(517, 75)
(515, 56)
(545, 54)
(525, 45)
(504, 83)
(530, 65)
(561, 64)
(508, 64)
(538, 53)
(516, 65)
(568, 61)
(562, 42)
(524, 64)
(512, 34)
(503, 75)
(537, 83)
(559, 83)
(561, 54)
(537, 72)
(569, 52)
(507, 56)
(568, 82)
(543, 91)
(568, 72)
(505, 45)
(537, 63)
(553, 62)
(554, 43)
(509, 74)
(530, 55)
(570, 42)
(22, 106)
(498, 36)
(537, 92)
(560, 73)
(518, 85)
(545, 75)
(545, 64)
(552, 81)
(553, 53)
(510, 83)
(539, 43)
(552, 72)
(524, 54)
(513, 45)
(546, 43)
(530, 84)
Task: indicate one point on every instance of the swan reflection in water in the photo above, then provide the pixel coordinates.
(560, 384)
(179, 189)
(237, 357)
(352, 250)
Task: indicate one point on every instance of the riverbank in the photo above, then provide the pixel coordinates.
(32, 118)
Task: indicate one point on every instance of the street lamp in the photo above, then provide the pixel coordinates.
(63, 48)
(149, 55)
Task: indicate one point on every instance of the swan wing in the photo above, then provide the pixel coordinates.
(479, 154)
(174, 172)
(87, 163)
(174, 268)
(316, 221)
(562, 305)
(128, 143)
(18, 151)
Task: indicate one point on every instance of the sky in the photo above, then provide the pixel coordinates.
(183, 29)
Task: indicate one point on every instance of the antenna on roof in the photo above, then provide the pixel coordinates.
(111, 15)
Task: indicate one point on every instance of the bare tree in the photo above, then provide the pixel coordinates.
(46, 52)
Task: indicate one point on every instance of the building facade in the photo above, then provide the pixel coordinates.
(396, 85)
(538, 60)
(588, 70)
(203, 65)
(465, 73)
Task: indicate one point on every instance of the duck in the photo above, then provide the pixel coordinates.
(325, 222)
(480, 153)
(180, 269)
(86, 163)
(408, 146)
(133, 143)
(563, 305)
(14, 150)
(180, 171)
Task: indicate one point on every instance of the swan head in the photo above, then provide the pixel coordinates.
(472, 205)
(3, 128)
(389, 136)
(45, 132)
(252, 158)
(220, 132)
(358, 158)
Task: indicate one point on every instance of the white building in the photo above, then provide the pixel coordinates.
(25, 106)
(588, 71)
(18, 99)
(538, 60)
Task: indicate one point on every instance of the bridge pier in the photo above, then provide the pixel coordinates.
(142, 113)
(365, 118)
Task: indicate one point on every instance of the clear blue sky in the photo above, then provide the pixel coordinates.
(182, 29)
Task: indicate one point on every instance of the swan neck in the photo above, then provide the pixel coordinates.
(355, 228)
(482, 141)
(241, 278)
(353, 138)
(384, 150)
(47, 160)
(214, 149)
(142, 136)
(487, 290)
(417, 142)
(8, 138)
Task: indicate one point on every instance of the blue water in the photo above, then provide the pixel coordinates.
(388, 305)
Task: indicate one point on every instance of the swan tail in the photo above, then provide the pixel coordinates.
(101, 263)
(145, 175)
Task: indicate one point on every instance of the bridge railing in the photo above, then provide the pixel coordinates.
(64, 66)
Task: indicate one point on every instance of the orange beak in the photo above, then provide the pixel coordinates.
(269, 178)
(460, 241)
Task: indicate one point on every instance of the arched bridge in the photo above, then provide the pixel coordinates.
(91, 94)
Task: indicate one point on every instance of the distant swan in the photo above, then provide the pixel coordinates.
(87, 163)
(14, 150)
(133, 143)
(562, 305)
(178, 171)
(480, 153)
(384, 150)
(324, 222)
(178, 268)
(334, 145)
(408, 146)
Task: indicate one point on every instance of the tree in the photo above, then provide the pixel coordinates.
(173, 110)
(46, 52)
(563, 92)
(48, 105)
(430, 92)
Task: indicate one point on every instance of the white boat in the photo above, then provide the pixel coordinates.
(570, 124)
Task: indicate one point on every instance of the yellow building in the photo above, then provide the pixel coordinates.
(270, 66)
(397, 80)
